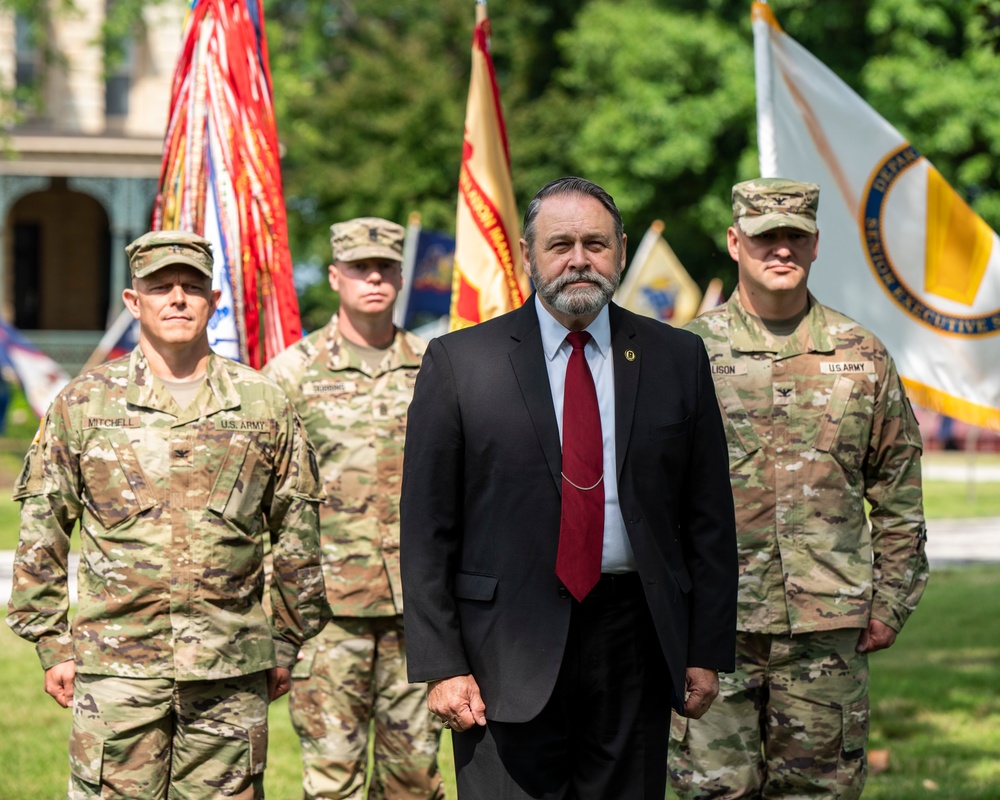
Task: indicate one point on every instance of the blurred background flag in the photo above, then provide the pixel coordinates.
(656, 283)
(40, 377)
(118, 340)
(488, 277)
(713, 296)
(221, 176)
(428, 258)
(900, 251)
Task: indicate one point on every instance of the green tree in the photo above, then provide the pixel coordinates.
(370, 98)
(652, 98)
(933, 77)
(665, 103)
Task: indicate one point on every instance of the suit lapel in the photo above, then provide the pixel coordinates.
(628, 361)
(528, 361)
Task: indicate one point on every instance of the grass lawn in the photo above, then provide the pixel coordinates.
(33, 760)
(935, 696)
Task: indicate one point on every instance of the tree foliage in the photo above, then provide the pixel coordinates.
(654, 99)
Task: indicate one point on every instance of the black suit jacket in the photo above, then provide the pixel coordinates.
(481, 502)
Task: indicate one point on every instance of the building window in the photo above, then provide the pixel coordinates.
(119, 82)
(26, 60)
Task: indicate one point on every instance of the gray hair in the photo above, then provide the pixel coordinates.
(565, 186)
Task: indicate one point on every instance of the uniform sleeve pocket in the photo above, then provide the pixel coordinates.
(475, 587)
(29, 482)
(86, 756)
(116, 487)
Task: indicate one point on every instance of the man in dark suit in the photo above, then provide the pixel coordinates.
(568, 544)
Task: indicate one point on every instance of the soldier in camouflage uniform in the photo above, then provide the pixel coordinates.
(352, 382)
(817, 422)
(180, 467)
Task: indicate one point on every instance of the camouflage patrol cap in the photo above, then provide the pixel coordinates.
(158, 249)
(764, 204)
(367, 237)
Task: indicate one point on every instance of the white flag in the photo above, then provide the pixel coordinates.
(899, 250)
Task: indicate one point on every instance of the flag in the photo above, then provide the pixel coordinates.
(899, 250)
(118, 340)
(40, 377)
(656, 284)
(221, 177)
(488, 278)
(713, 296)
(428, 257)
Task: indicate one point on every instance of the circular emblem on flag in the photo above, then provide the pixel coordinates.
(931, 253)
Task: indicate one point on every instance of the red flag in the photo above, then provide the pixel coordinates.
(221, 176)
(488, 278)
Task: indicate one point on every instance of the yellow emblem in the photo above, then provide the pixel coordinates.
(630, 355)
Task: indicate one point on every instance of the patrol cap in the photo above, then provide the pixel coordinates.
(764, 204)
(158, 249)
(367, 237)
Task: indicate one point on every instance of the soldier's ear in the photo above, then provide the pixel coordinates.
(733, 243)
(131, 299)
(334, 277)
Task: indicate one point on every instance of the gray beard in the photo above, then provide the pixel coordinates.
(578, 301)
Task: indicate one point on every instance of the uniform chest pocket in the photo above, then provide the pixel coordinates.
(115, 486)
(240, 485)
(741, 437)
(843, 428)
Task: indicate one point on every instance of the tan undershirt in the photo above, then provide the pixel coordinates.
(184, 392)
(782, 328)
(371, 357)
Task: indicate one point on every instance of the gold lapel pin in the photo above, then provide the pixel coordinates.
(630, 355)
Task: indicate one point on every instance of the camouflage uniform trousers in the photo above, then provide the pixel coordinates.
(791, 722)
(157, 738)
(352, 675)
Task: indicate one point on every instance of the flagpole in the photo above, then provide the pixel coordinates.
(410, 245)
(767, 146)
(111, 335)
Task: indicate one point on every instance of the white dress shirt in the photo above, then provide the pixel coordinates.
(616, 555)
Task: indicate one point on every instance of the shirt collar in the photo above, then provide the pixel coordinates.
(554, 333)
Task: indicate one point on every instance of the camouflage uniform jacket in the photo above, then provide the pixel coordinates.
(173, 509)
(357, 423)
(816, 426)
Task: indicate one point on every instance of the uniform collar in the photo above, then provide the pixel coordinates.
(747, 336)
(217, 394)
(400, 354)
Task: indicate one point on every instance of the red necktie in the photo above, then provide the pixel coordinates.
(581, 527)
